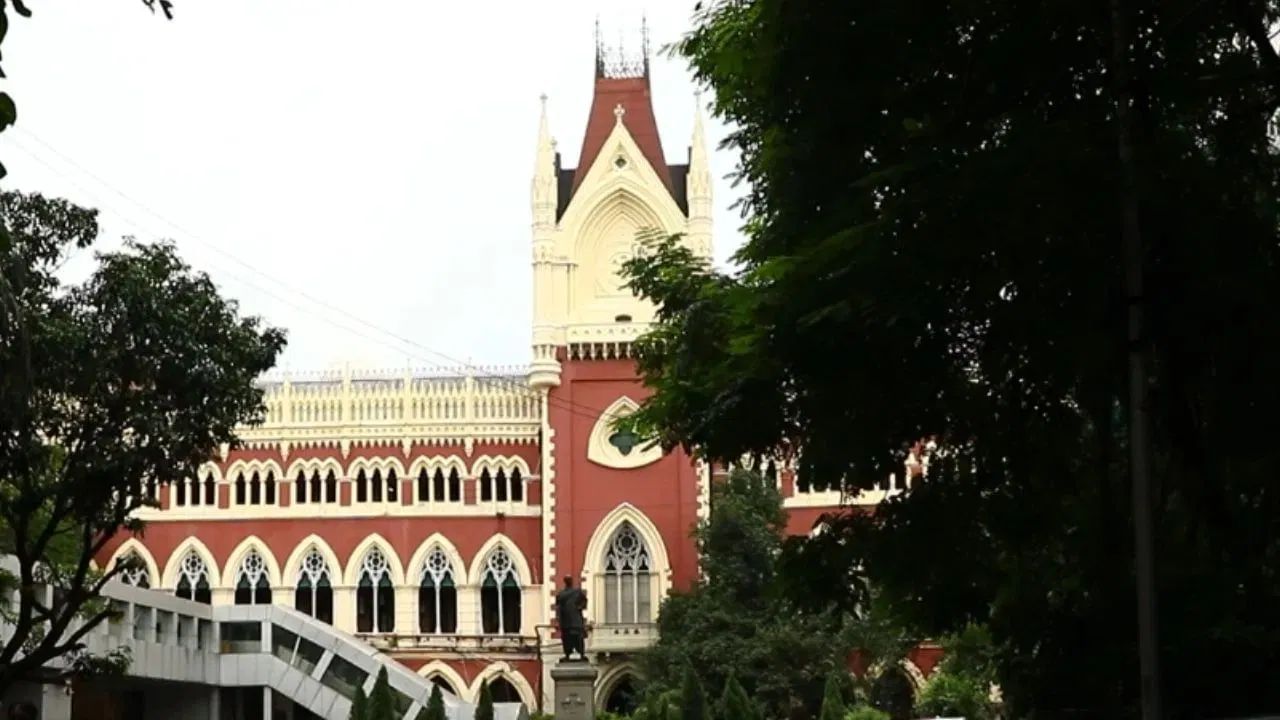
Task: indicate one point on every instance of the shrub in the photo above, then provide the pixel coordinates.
(866, 712)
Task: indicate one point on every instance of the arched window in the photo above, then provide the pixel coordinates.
(195, 489)
(317, 486)
(437, 595)
(375, 595)
(269, 488)
(314, 594)
(240, 487)
(503, 691)
(255, 490)
(375, 486)
(393, 486)
(500, 595)
(300, 488)
(455, 486)
(362, 487)
(331, 488)
(193, 579)
(486, 486)
(133, 571)
(252, 586)
(210, 490)
(437, 486)
(443, 683)
(893, 693)
(424, 486)
(627, 578)
(500, 486)
(180, 493)
(624, 697)
(517, 486)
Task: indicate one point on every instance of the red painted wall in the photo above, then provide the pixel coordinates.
(665, 491)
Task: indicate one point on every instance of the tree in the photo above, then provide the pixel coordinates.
(736, 622)
(934, 225)
(8, 110)
(107, 388)
(435, 706)
(484, 708)
(734, 703)
(381, 704)
(693, 699)
(832, 701)
(359, 706)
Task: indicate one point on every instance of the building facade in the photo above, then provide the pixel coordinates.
(433, 514)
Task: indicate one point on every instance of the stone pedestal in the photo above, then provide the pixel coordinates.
(575, 690)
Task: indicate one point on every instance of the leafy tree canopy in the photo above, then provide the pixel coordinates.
(933, 250)
(131, 378)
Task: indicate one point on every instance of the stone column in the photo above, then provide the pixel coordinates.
(575, 690)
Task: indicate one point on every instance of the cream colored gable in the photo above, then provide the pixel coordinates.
(620, 196)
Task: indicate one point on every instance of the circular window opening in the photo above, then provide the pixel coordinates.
(619, 162)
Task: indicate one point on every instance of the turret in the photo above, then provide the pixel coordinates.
(543, 195)
(698, 187)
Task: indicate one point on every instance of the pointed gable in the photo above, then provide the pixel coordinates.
(633, 94)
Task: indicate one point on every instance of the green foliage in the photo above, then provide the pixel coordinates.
(736, 621)
(693, 699)
(435, 709)
(864, 712)
(832, 700)
(359, 706)
(542, 716)
(133, 376)
(933, 250)
(381, 704)
(484, 708)
(947, 695)
(734, 703)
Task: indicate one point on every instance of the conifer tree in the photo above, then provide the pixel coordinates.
(484, 708)
(693, 700)
(359, 706)
(832, 700)
(734, 703)
(381, 705)
(435, 706)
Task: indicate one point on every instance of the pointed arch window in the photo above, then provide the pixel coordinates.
(375, 486)
(316, 487)
(240, 489)
(180, 493)
(628, 578)
(424, 486)
(500, 486)
(255, 490)
(314, 593)
(269, 488)
(331, 488)
(300, 488)
(134, 571)
(252, 586)
(455, 486)
(393, 486)
(195, 490)
(210, 490)
(193, 579)
(486, 486)
(499, 595)
(362, 487)
(375, 595)
(437, 595)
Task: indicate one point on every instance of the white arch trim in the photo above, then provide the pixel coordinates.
(191, 544)
(601, 452)
(351, 574)
(610, 678)
(593, 563)
(444, 462)
(133, 546)
(249, 467)
(232, 568)
(414, 569)
(310, 465)
(503, 669)
(442, 669)
(293, 564)
(382, 464)
(518, 560)
(909, 668)
(506, 463)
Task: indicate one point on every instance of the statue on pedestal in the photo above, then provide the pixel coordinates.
(570, 604)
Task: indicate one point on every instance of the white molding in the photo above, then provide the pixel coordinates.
(232, 565)
(413, 570)
(132, 545)
(593, 561)
(169, 580)
(446, 671)
(351, 572)
(601, 452)
(504, 670)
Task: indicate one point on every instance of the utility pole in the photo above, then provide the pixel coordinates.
(1139, 450)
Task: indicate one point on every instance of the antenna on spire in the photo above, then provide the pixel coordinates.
(614, 62)
(644, 41)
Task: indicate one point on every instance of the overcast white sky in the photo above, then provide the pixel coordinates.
(373, 156)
